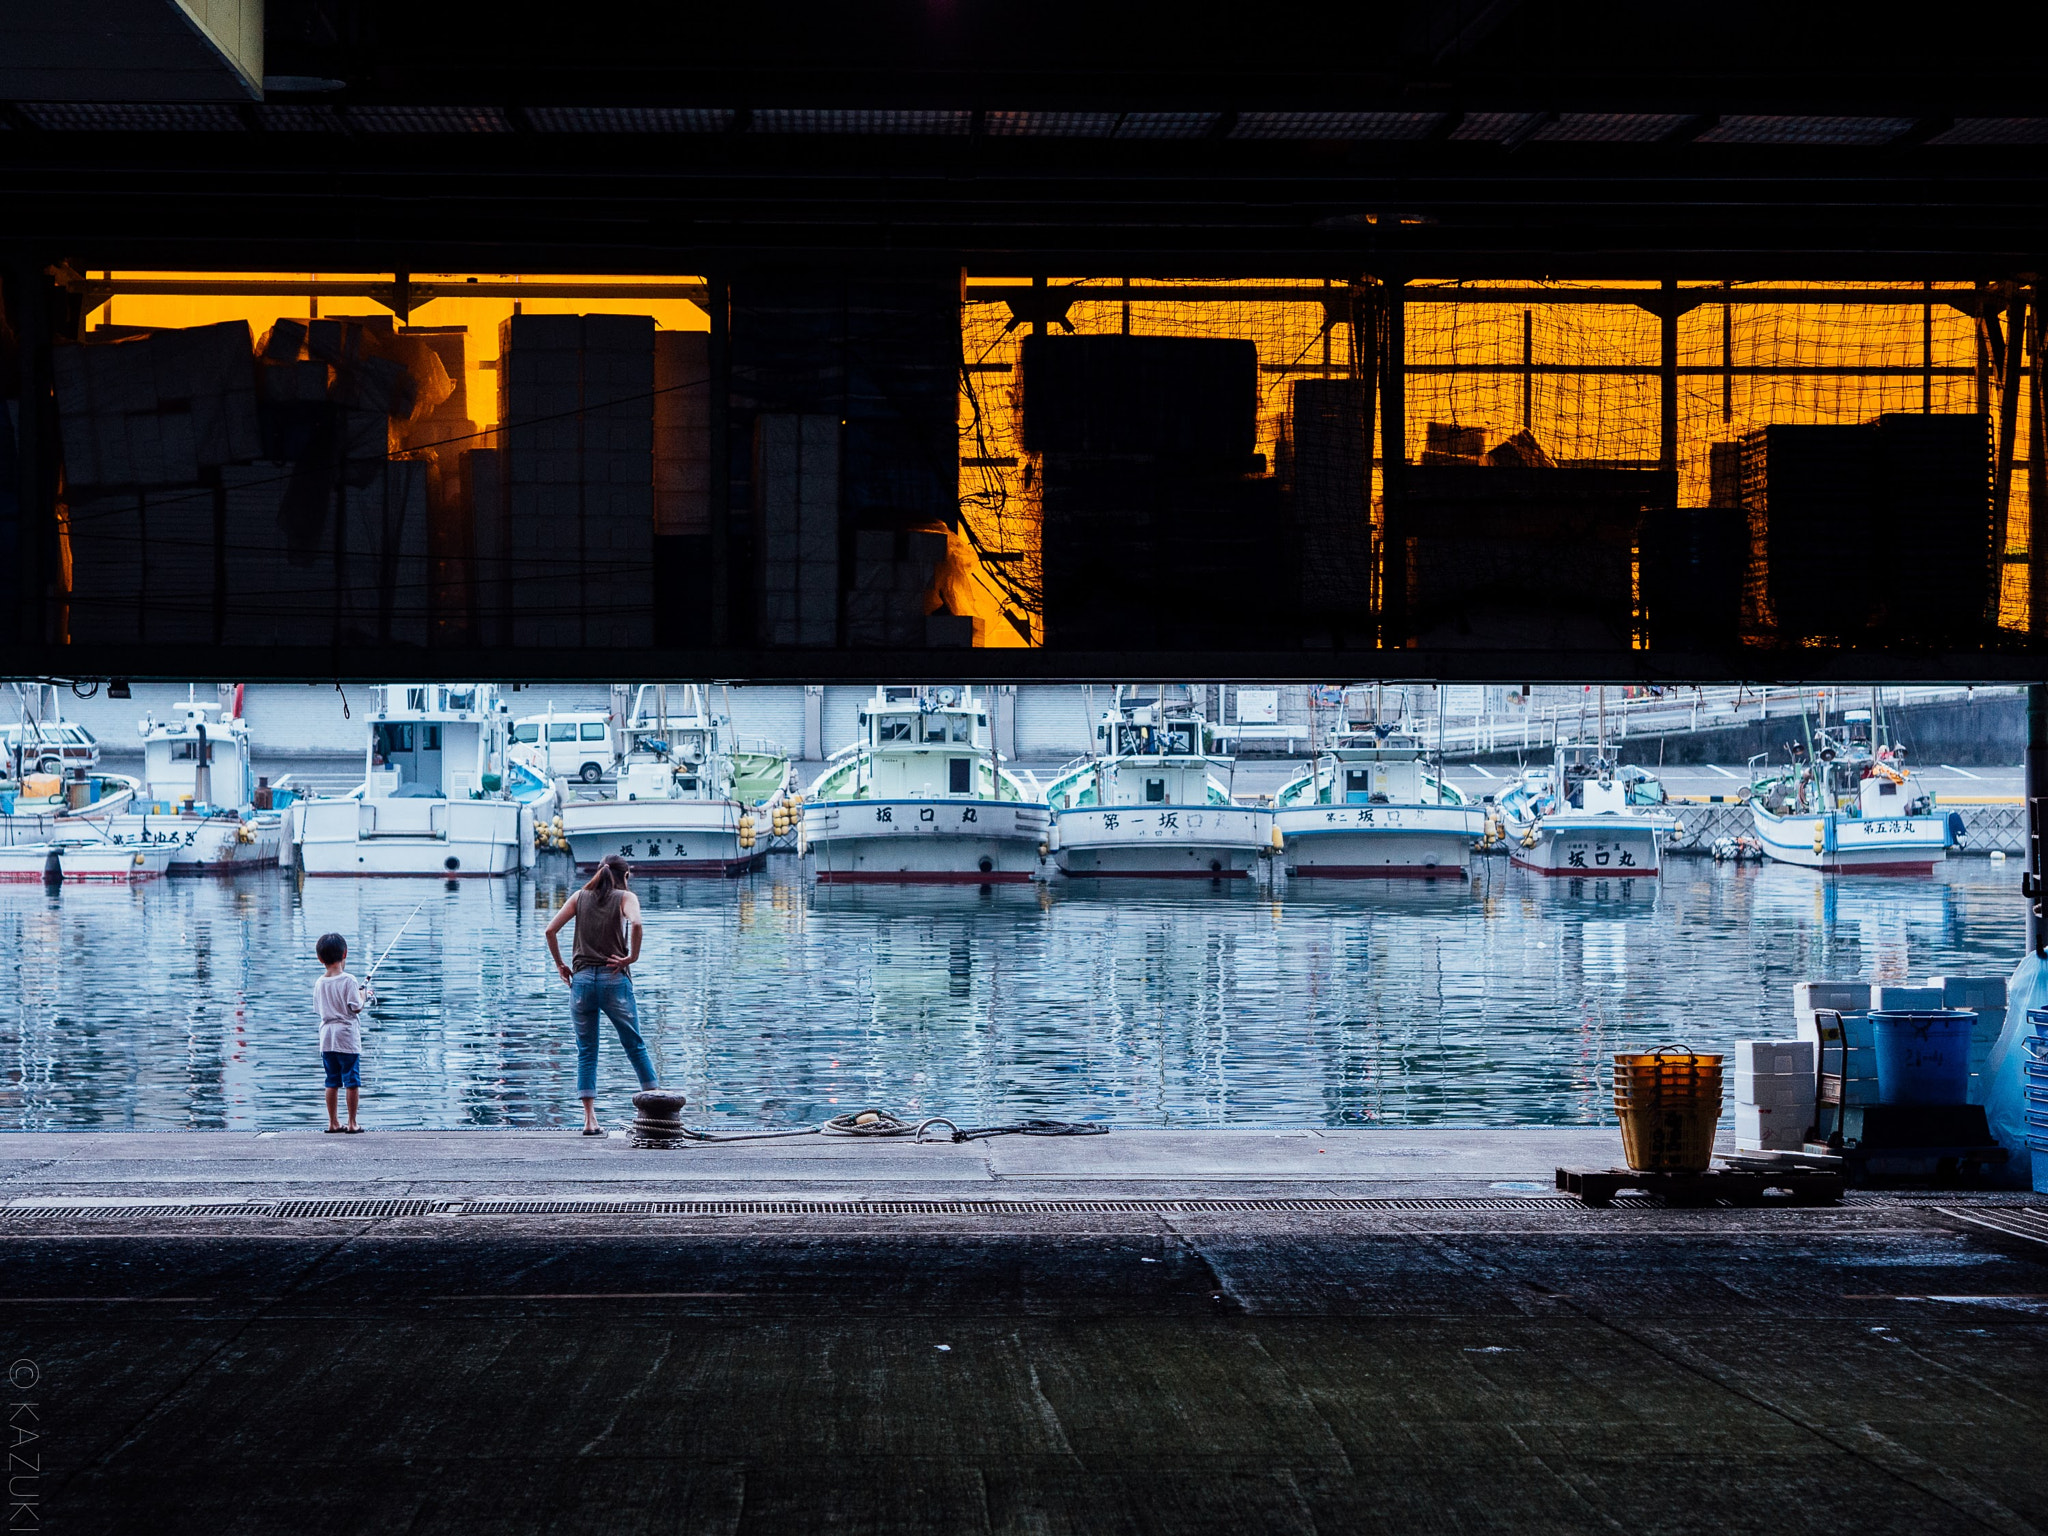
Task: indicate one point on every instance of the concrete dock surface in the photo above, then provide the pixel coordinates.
(1396, 1331)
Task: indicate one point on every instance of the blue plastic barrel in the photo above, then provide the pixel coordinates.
(1922, 1057)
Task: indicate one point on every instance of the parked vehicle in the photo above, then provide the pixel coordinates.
(580, 744)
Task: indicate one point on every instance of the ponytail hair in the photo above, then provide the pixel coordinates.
(611, 875)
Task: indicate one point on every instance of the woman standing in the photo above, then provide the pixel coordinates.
(601, 976)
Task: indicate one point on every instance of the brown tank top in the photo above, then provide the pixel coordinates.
(599, 932)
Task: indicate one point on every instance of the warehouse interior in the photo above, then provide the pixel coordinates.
(1434, 352)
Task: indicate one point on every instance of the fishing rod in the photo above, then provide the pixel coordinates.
(394, 943)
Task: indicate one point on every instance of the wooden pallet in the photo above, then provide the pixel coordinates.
(1714, 1186)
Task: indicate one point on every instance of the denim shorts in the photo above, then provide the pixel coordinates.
(343, 1069)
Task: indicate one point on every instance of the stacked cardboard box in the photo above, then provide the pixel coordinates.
(577, 435)
(156, 408)
(892, 583)
(796, 511)
(1774, 1086)
(142, 566)
(483, 474)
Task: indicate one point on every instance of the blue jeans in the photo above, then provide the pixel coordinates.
(611, 992)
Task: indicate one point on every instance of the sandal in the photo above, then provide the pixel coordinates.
(595, 1130)
(352, 1130)
(334, 1130)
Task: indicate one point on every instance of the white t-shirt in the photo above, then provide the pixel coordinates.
(340, 1000)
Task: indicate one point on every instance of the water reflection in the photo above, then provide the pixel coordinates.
(1493, 1001)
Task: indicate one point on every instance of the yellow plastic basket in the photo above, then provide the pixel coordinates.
(1668, 1101)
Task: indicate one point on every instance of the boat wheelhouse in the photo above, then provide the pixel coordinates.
(688, 793)
(1848, 804)
(1154, 800)
(922, 796)
(198, 794)
(1369, 806)
(439, 796)
(1585, 815)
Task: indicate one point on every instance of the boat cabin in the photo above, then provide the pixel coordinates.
(925, 741)
(435, 741)
(198, 755)
(1372, 769)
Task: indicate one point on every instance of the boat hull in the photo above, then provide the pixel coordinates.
(1379, 842)
(96, 864)
(926, 842)
(446, 839)
(1905, 845)
(684, 837)
(203, 845)
(1208, 842)
(1613, 846)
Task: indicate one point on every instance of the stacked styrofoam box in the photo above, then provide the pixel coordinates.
(483, 474)
(1985, 997)
(577, 407)
(281, 576)
(178, 526)
(682, 433)
(540, 372)
(384, 585)
(796, 491)
(107, 569)
(155, 409)
(1812, 997)
(1774, 1086)
(892, 580)
(618, 481)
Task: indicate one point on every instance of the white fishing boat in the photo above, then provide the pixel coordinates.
(198, 795)
(1585, 815)
(1848, 804)
(83, 861)
(1155, 800)
(51, 784)
(439, 796)
(1370, 807)
(690, 795)
(923, 797)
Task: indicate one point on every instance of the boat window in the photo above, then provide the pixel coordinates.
(392, 736)
(526, 733)
(593, 730)
(462, 698)
(1155, 791)
(1357, 784)
(562, 732)
(1181, 738)
(959, 775)
(1887, 787)
(935, 728)
(415, 698)
(184, 751)
(430, 738)
(962, 731)
(895, 730)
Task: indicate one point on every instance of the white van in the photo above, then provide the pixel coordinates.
(578, 742)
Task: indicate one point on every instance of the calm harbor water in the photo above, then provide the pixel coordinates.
(187, 1004)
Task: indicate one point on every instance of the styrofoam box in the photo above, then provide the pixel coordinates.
(1972, 991)
(1856, 1026)
(1807, 996)
(1774, 1056)
(1758, 1128)
(1773, 1087)
(1890, 997)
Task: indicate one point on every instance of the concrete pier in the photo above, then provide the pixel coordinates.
(1145, 1332)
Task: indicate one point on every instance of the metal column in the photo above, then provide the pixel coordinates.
(2037, 807)
(718, 303)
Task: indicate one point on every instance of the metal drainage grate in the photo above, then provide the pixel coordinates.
(999, 1207)
(88, 1212)
(364, 1209)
